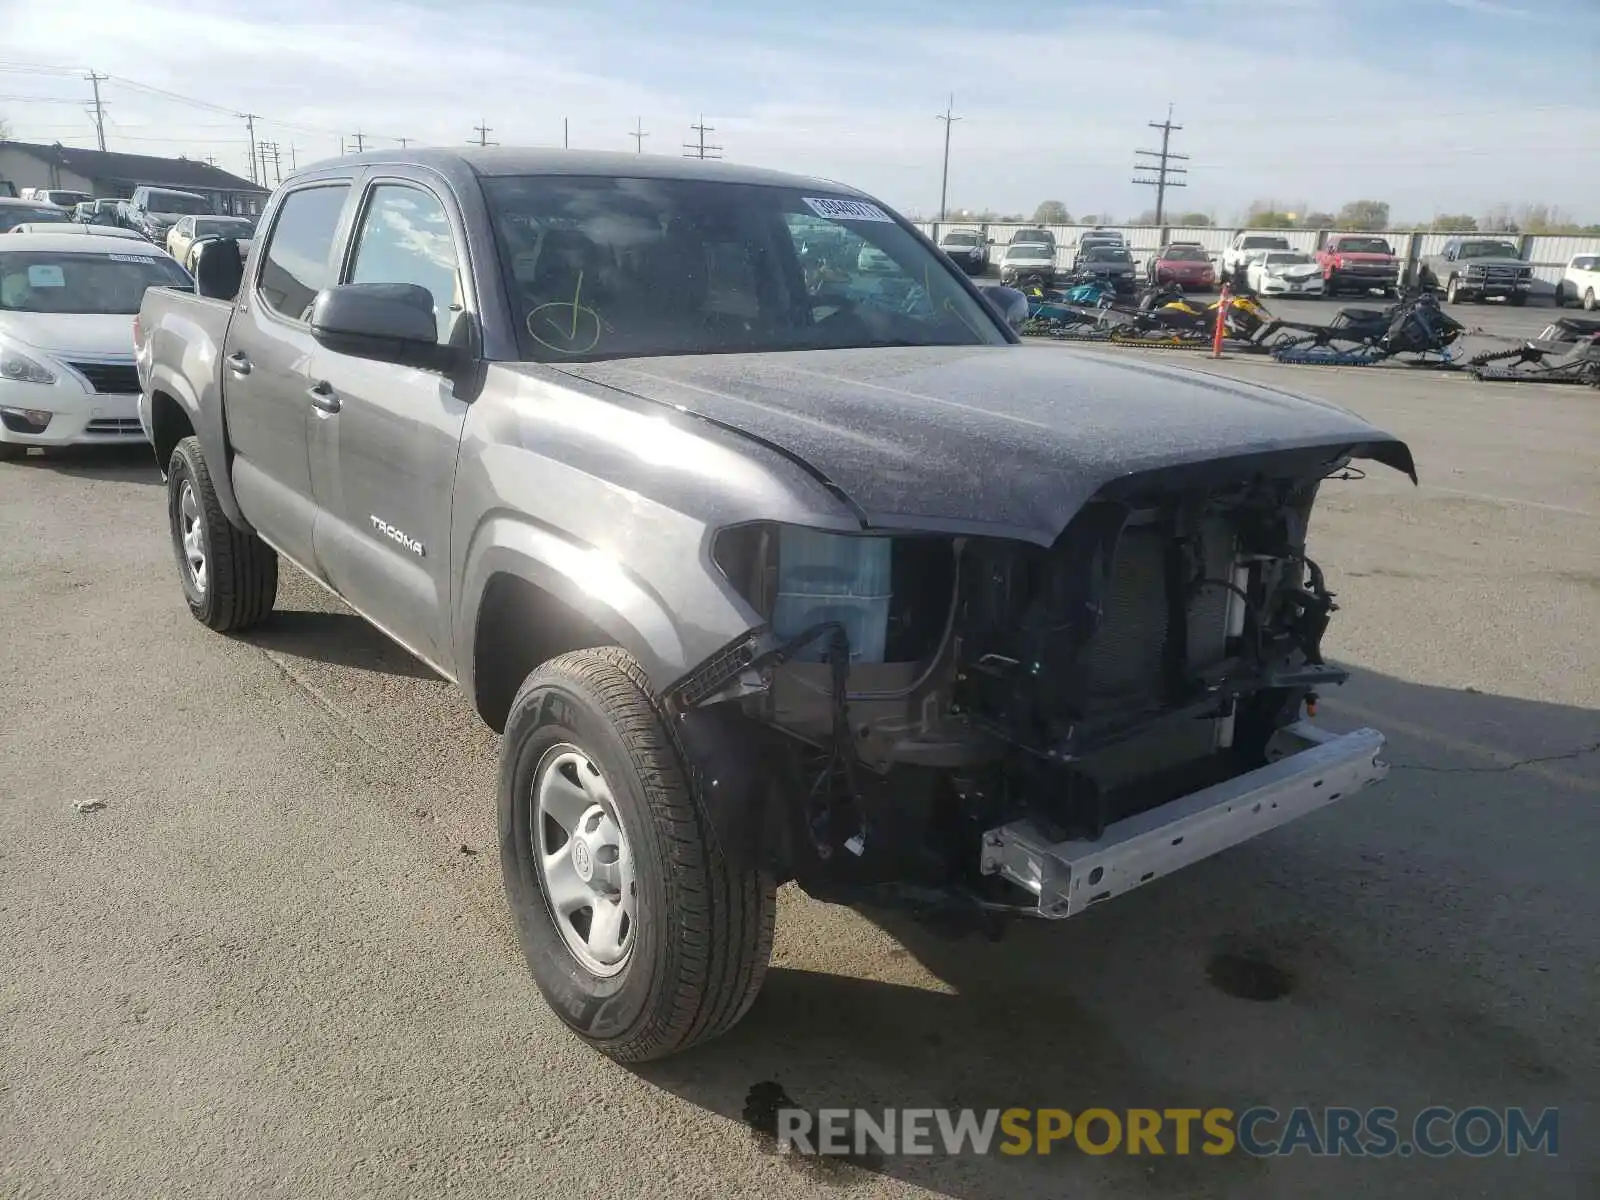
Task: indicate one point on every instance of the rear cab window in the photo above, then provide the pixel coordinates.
(296, 264)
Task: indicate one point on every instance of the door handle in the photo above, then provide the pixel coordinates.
(323, 397)
(239, 362)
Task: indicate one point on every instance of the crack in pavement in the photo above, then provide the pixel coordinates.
(1498, 768)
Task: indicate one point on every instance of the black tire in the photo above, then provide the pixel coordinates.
(1452, 291)
(1588, 300)
(704, 927)
(1517, 299)
(11, 451)
(241, 571)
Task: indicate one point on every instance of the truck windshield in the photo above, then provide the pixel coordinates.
(1184, 254)
(1488, 250)
(177, 202)
(600, 267)
(12, 215)
(960, 238)
(1360, 245)
(52, 281)
(1264, 243)
(1106, 254)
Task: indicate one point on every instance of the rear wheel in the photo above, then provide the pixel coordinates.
(230, 577)
(641, 931)
(1517, 299)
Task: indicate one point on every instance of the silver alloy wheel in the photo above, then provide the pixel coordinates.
(585, 866)
(194, 537)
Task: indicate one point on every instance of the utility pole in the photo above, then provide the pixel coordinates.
(699, 149)
(565, 144)
(250, 120)
(262, 147)
(638, 135)
(95, 79)
(1164, 176)
(483, 131)
(293, 162)
(949, 118)
(277, 167)
(403, 142)
(361, 141)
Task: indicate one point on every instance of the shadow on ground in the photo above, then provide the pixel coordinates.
(338, 638)
(1427, 941)
(119, 464)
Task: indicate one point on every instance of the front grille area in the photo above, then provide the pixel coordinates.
(107, 426)
(118, 379)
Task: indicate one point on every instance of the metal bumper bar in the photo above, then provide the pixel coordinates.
(1313, 768)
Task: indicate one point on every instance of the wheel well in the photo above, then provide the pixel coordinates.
(169, 425)
(521, 625)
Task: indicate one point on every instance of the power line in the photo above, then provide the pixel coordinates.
(483, 131)
(99, 109)
(949, 118)
(1165, 176)
(638, 135)
(699, 149)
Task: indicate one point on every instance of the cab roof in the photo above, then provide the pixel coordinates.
(511, 160)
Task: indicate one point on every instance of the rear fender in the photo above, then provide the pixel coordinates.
(204, 414)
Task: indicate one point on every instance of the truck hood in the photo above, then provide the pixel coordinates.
(1361, 256)
(71, 333)
(1000, 440)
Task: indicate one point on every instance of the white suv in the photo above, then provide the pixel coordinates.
(1581, 282)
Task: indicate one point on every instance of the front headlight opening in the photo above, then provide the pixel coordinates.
(17, 367)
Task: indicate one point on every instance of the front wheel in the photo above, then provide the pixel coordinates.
(230, 577)
(1518, 299)
(1452, 291)
(641, 931)
(1588, 300)
(11, 451)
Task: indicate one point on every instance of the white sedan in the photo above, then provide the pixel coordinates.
(1284, 273)
(67, 304)
(1581, 282)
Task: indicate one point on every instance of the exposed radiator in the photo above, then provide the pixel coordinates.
(1127, 655)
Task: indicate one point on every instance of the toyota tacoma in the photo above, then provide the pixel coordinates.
(765, 573)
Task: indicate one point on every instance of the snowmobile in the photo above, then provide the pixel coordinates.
(1363, 336)
(1167, 318)
(1567, 351)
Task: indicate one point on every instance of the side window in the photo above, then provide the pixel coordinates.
(295, 265)
(405, 237)
(842, 266)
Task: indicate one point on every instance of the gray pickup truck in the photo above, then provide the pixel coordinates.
(1478, 268)
(768, 568)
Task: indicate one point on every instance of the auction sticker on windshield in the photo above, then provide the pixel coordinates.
(149, 262)
(46, 275)
(846, 210)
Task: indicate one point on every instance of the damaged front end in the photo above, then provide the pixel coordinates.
(929, 718)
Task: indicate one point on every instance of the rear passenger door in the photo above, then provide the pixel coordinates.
(266, 367)
(384, 441)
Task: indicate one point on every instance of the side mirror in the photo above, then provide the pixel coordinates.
(1008, 302)
(386, 322)
(218, 268)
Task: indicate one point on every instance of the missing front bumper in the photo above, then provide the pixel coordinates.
(1315, 769)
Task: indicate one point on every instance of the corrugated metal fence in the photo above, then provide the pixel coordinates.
(1548, 255)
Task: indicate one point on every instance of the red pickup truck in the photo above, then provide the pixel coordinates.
(1358, 262)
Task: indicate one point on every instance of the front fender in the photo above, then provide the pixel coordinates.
(585, 579)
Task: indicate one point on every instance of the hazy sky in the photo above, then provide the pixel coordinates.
(1433, 105)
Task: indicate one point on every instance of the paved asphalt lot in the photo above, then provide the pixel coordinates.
(277, 963)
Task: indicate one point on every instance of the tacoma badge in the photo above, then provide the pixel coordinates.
(396, 535)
